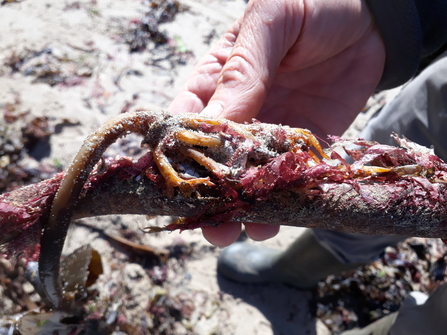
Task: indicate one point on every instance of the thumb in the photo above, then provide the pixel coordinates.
(259, 48)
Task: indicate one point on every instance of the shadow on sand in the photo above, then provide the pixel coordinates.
(286, 308)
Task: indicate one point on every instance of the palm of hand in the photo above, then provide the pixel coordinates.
(326, 97)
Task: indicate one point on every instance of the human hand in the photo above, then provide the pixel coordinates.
(307, 64)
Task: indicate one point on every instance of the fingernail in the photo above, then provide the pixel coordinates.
(214, 109)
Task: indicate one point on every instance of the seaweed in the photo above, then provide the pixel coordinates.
(63, 65)
(359, 297)
(144, 34)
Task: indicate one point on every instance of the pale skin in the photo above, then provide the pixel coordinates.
(308, 64)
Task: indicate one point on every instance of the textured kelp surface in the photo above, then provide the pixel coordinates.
(258, 172)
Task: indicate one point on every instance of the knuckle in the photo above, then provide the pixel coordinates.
(238, 69)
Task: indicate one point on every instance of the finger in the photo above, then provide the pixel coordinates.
(223, 235)
(260, 46)
(202, 82)
(261, 232)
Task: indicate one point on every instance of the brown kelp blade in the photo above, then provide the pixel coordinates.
(409, 201)
(211, 171)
